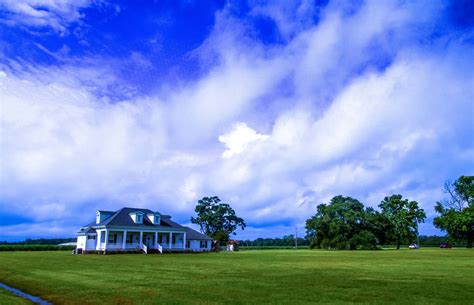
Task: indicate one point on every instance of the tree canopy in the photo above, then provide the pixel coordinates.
(341, 224)
(216, 219)
(403, 217)
(457, 212)
(344, 223)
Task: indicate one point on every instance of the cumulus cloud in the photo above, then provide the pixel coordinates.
(239, 138)
(353, 104)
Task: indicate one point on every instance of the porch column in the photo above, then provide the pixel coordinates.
(184, 240)
(141, 237)
(171, 240)
(99, 234)
(106, 238)
(124, 239)
(156, 239)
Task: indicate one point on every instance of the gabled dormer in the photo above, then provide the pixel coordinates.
(137, 216)
(102, 215)
(155, 218)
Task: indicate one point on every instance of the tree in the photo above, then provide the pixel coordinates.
(341, 224)
(379, 225)
(218, 220)
(403, 217)
(457, 212)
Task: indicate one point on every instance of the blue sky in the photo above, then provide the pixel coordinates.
(273, 106)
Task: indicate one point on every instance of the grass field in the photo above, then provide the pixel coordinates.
(7, 298)
(425, 276)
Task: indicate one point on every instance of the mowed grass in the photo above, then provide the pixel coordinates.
(8, 298)
(425, 276)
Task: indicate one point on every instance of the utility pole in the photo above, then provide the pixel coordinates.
(296, 238)
(417, 233)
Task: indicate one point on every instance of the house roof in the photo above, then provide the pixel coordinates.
(195, 235)
(121, 218)
(86, 230)
(106, 212)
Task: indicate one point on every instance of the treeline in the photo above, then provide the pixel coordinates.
(345, 223)
(24, 247)
(434, 240)
(40, 241)
(286, 241)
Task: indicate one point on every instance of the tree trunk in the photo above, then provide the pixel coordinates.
(469, 239)
(398, 244)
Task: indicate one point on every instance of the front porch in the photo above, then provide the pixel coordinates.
(139, 240)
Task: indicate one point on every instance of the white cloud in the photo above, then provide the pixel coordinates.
(239, 138)
(55, 14)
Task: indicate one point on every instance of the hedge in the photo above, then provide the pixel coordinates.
(244, 248)
(36, 248)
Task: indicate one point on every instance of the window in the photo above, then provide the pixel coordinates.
(137, 217)
(187, 244)
(90, 236)
(174, 239)
(113, 238)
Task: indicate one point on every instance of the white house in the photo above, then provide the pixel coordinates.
(138, 229)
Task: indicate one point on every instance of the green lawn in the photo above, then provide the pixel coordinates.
(8, 298)
(426, 276)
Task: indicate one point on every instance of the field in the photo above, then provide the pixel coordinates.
(425, 276)
(7, 298)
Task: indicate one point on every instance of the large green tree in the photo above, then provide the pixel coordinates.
(457, 212)
(403, 217)
(379, 225)
(216, 219)
(341, 224)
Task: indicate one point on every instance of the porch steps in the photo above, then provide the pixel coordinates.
(147, 250)
(144, 248)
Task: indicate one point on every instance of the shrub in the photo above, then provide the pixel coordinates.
(35, 248)
(244, 248)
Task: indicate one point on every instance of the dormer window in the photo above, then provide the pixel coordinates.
(137, 217)
(102, 215)
(155, 218)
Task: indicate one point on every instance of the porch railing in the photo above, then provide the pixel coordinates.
(140, 246)
(177, 246)
(144, 248)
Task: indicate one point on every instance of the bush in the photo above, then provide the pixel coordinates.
(245, 248)
(36, 248)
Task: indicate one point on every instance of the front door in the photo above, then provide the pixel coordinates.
(149, 241)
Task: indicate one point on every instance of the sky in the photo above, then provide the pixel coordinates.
(275, 107)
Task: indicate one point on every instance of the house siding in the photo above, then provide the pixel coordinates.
(81, 242)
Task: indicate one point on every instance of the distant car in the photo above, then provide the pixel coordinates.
(413, 246)
(445, 246)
